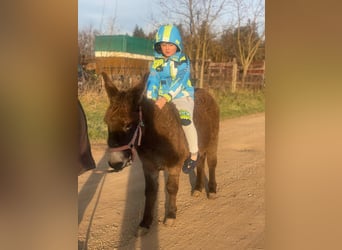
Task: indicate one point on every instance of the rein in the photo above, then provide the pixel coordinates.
(137, 135)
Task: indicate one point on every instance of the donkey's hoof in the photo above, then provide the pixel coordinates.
(142, 231)
(212, 196)
(196, 193)
(169, 222)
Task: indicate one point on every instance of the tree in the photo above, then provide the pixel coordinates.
(139, 32)
(227, 44)
(249, 36)
(86, 40)
(199, 16)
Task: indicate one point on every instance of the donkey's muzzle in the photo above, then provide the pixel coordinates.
(118, 166)
(119, 160)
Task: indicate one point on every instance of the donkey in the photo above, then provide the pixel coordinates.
(85, 157)
(136, 125)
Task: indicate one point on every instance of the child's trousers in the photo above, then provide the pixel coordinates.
(185, 106)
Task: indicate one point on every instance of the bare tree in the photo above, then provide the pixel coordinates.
(86, 39)
(199, 16)
(211, 13)
(112, 20)
(250, 31)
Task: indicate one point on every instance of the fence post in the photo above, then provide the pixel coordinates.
(209, 74)
(263, 74)
(234, 75)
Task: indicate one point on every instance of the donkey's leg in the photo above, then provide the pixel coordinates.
(151, 190)
(200, 175)
(212, 162)
(172, 190)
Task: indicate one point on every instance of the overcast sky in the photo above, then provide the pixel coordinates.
(129, 13)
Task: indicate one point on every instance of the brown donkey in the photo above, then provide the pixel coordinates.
(85, 157)
(136, 125)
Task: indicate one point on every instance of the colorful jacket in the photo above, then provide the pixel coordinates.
(169, 77)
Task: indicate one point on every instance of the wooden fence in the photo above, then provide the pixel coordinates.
(228, 75)
(125, 72)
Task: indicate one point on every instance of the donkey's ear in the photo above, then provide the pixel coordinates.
(110, 87)
(139, 89)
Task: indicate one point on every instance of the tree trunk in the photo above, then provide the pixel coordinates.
(244, 74)
(234, 76)
(204, 45)
(197, 61)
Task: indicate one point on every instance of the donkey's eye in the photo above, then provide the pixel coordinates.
(128, 127)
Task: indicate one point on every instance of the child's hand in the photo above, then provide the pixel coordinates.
(161, 102)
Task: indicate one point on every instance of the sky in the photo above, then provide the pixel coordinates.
(99, 14)
(127, 13)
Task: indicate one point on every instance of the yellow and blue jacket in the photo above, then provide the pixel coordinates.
(169, 77)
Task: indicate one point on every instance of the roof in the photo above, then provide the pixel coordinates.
(122, 44)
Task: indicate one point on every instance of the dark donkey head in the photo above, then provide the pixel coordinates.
(123, 119)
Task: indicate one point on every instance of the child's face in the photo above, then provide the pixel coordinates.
(168, 49)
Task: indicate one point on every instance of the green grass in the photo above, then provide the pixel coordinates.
(240, 103)
(231, 105)
(95, 106)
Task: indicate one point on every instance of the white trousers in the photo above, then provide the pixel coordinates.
(187, 104)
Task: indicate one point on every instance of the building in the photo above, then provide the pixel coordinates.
(122, 55)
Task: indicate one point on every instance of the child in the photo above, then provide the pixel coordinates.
(169, 81)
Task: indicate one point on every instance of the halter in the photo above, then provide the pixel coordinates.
(137, 134)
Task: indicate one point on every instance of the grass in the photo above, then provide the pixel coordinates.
(232, 105)
(240, 103)
(95, 106)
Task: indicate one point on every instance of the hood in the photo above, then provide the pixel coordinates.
(170, 34)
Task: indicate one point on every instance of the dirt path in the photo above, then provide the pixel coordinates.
(110, 204)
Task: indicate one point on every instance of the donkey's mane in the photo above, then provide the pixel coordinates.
(168, 109)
